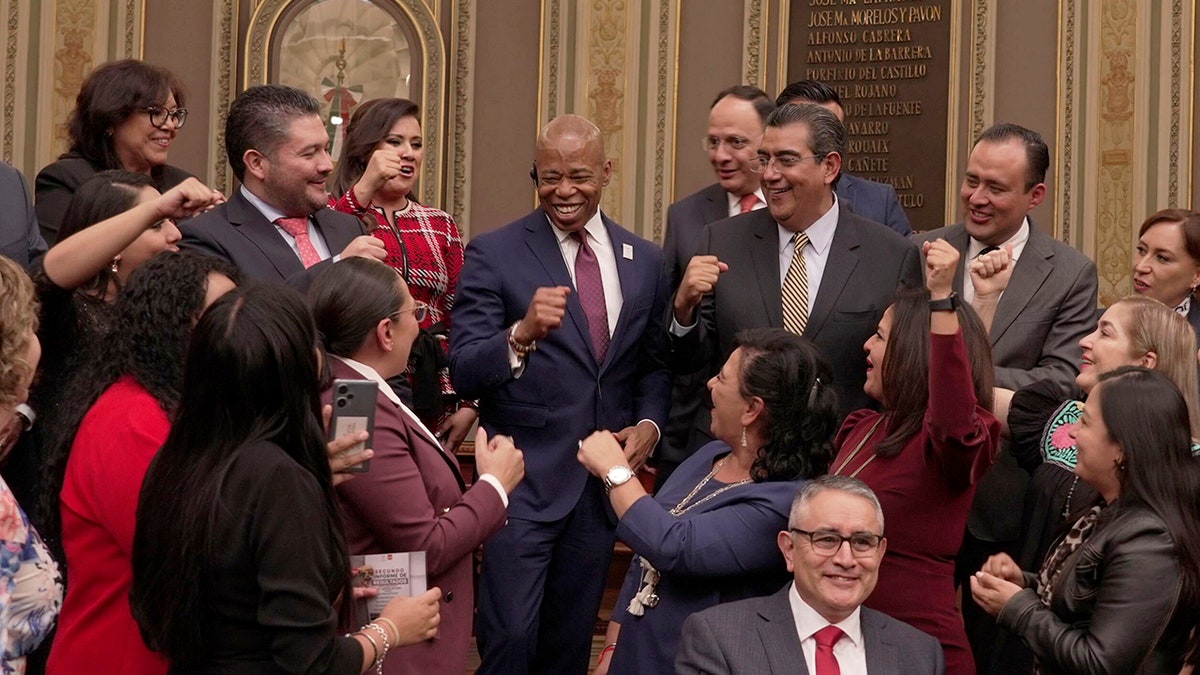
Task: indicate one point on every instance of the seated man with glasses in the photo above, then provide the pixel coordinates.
(815, 624)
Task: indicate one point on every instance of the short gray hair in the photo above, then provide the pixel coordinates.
(825, 132)
(846, 484)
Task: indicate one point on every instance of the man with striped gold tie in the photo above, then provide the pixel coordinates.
(803, 263)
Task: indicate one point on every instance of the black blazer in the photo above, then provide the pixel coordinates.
(241, 234)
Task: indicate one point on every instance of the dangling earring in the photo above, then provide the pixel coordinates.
(743, 436)
(116, 262)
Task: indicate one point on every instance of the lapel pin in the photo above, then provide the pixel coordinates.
(627, 251)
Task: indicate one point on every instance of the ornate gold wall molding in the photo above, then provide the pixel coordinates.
(755, 54)
(983, 69)
(463, 49)
(222, 88)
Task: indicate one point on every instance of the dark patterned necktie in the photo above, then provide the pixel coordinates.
(591, 295)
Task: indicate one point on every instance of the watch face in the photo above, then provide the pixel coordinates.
(619, 474)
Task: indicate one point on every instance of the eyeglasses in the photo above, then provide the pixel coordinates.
(762, 162)
(420, 310)
(159, 116)
(711, 143)
(862, 544)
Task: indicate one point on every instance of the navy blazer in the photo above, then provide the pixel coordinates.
(238, 232)
(564, 393)
(874, 201)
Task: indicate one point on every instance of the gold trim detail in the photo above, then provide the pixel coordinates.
(1064, 215)
(752, 37)
(664, 111)
(223, 89)
(463, 48)
(607, 85)
(1115, 136)
(1176, 68)
(981, 31)
(10, 77)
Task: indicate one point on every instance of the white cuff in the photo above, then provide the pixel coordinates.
(656, 431)
(495, 482)
(516, 363)
(679, 330)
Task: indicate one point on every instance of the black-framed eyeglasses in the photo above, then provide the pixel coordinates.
(760, 163)
(159, 116)
(825, 542)
(420, 310)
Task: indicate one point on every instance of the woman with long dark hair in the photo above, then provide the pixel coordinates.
(1120, 591)
(374, 180)
(367, 321)
(114, 420)
(238, 554)
(930, 367)
(708, 536)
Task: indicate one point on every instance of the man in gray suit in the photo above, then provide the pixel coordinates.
(870, 199)
(833, 546)
(735, 129)
(852, 266)
(1037, 296)
(20, 238)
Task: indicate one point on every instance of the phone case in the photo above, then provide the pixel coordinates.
(353, 411)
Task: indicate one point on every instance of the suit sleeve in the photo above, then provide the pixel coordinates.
(53, 190)
(1060, 353)
(699, 652)
(695, 350)
(393, 499)
(1105, 643)
(738, 538)
(479, 341)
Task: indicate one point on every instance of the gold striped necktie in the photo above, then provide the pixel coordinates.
(795, 288)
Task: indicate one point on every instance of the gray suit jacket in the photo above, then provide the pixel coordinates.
(1048, 307)
(241, 234)
(867, 264)
(874, 201)
(758, 637)
(19, 235)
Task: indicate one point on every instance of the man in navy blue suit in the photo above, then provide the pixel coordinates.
(866, 198)
(558, 331)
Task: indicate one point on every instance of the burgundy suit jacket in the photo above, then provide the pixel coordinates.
(413, 499)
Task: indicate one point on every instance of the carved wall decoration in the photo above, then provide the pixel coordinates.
(74, 42)
(983, 59)
(223, 88)
(463, 49)
(606, 87)
(752, 38)
(1115, 141)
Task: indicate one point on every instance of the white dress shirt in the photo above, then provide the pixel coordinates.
(273, 214)
(735, 203)
(851, 650)
(974, 247)
(370, 373)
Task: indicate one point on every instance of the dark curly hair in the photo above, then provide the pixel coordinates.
(795, 384)
(152, 323)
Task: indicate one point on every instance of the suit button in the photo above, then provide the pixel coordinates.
(449, 597)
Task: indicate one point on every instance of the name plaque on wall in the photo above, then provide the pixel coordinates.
(889, 61)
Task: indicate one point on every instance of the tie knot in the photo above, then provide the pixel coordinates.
(987, 250)
(293, 226)
(828, 636)
(800, 239)
(747, 202)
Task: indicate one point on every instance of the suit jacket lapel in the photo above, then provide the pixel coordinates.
(1028, 276)
(764, 254)
(717, 205)
(881, 654)
(337, 237)
(777, 630)
(420, 437)
(543, 241)
(839, 266)
(261, 234)
(959, 239)
(627, 274)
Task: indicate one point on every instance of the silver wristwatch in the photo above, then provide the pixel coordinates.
(618, 475)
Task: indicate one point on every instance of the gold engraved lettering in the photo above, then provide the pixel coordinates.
(832, 37)
(874, 146)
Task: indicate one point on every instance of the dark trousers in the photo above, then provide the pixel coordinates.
(540, 590)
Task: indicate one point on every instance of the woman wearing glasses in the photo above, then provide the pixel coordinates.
(375, 177)
(125, 117)
(708, 536)
(930, 368)
(413, 498)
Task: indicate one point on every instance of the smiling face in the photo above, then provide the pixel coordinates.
(876, 349)
(159, 237)
(729, 406)
(799, 194)
(995, 199)
(1098, 455)
(404, 138)
(571, 175)
(140, 145)
(293, 176)
(833, 585)
(734, 122)
(1107, 348)
(1162, 267)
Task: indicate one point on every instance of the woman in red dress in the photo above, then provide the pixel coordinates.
(930, 367)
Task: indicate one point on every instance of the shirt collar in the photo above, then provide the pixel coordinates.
(974, 246)
(271, 213)
(735, 200)
(594, 227)
(1184, 307)
(808, 621)
(820, 233)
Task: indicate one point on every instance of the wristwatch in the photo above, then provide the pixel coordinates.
(618, 475)
(947, 304)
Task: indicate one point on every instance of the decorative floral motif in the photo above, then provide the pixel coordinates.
(1057, 445)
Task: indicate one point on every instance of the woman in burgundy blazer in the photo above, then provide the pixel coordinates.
(413, 498)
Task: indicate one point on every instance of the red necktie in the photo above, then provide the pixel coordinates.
(298, 228)
(827, 637)
(747, 202)
(591, 295)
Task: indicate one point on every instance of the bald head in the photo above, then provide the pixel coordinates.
(571, 171)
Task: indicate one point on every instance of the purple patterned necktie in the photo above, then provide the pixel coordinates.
(591, 294)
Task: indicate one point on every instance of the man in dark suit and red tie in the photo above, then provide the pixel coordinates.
(277, 225)
(558, 332)
(816, 624)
